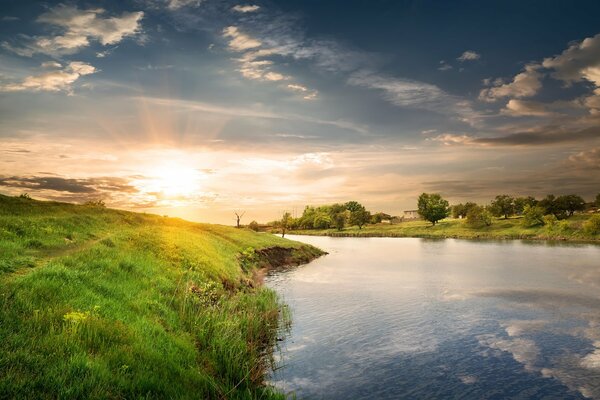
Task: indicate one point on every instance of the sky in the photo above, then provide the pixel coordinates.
(199, 108)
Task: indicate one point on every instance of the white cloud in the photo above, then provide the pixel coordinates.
(176, 4)
(444, 66)
(79, 27)
(581, 61)
(516, 107)
(240, 41)
(413, 94)
(469, 55)
(253, 64)
(307, 93)
(246, 8)
(55, 80)
(524, 84)
(449, 139)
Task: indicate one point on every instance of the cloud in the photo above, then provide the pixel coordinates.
(246, 8)
(413, 94)
(177, 4)
(78, 28)
(74, 186)
(444, 66)
(238, 40)
(580, 61)
(542, 136)
(469, 55)
(588, 159)
(307, 93)
(524, 84)
(516, 107)
(449, 139)
(55, 80)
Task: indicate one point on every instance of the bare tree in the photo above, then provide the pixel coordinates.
(238, 217)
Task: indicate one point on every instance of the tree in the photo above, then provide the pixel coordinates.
(360, 218)
(358, 214)
(598, 200)
(461, 210)
(380, 216)
(322, 221)
(569, 204)
(353, 206)
(339, 220)
(478, 217)
(432, 207)
(238, 217)
(550, 205)
(503, 205)
(521, 202)
(254, 226)
(285, 220)
(533, 216)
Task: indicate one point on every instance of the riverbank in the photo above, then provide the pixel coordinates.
(101, 303)
(512, 228)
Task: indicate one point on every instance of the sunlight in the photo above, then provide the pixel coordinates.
(172, 180)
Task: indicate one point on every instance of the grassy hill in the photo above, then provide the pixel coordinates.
(512, 228)
(101, 303)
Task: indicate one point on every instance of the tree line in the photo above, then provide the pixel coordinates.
(338, 216)
(433, 208)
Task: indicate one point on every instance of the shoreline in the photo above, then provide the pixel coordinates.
(560, 239)
(568, 230)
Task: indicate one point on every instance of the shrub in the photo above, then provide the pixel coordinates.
(253, 225)
(478, 217)
(592, 225)
(550, 220)
(533, 216)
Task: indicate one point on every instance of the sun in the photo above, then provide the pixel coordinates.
(173, 180)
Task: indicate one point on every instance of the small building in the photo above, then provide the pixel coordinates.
(411, 214)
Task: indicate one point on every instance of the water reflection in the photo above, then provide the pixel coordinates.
(414, 318)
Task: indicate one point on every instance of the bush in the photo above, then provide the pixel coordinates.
(533, 216)
(478, 217)
(592, 225)
(253, 225)
(550, 220)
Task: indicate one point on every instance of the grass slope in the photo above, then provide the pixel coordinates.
(101, 303)
(512, 228)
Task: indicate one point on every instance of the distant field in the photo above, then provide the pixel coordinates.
(101, 303)
(512, 228)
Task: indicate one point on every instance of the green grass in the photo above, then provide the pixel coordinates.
(101, 303)
(512, 228)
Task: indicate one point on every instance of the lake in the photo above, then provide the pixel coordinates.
(390, 318)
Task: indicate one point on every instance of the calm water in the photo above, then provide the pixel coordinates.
(389, 318)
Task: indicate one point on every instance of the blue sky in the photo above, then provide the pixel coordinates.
(196, 108)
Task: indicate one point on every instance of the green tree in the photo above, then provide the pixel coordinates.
(432, 207)
(521, 202)
(353, 206)
(339, 220)
(285, 222)
(360, 218)
(598, 200)
(254, 226)
(570, 203)
(503, 205)
(461, 210)
(478, 217)
(322, 221)
(533, 216)
(550, 205)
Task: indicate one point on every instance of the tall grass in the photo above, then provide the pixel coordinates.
(99, 303)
